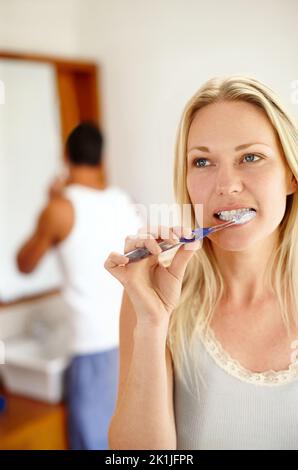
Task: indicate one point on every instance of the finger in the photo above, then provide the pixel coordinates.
(115, 264)
(182, 258)
(114, 260)
(180, 231)
(148, 242)
(160, 233)
(179, 262)
(134, 241)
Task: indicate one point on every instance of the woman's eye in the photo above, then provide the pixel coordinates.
(199, 160)
(252, 155)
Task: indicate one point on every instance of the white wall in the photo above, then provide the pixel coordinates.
(154, 55)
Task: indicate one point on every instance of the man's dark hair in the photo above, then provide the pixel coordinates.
(84, 145)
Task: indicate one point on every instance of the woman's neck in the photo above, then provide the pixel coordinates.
(245, 273)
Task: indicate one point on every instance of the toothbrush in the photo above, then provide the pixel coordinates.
(199, 233)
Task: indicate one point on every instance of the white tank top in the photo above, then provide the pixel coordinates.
(102, 220)
(237, 409)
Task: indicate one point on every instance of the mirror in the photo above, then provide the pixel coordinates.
(30, 155)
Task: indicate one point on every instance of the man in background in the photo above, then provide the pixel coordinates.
(84, 221)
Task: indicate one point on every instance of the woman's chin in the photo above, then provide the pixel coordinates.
(234, 240)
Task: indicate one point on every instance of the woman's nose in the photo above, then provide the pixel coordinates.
(228, 181)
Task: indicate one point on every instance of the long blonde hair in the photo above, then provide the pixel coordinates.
(203, 284)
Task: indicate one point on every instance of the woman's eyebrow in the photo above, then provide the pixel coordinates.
(239, 147)
(243, 146)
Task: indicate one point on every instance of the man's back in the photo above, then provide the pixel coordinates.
(101, 221)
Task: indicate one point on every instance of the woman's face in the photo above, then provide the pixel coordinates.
(234, 158)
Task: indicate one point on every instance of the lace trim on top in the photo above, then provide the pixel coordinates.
(233, 367)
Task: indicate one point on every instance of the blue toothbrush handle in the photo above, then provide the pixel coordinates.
(198, 234)
(141, 253)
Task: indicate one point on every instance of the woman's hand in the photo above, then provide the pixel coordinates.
(153, 289)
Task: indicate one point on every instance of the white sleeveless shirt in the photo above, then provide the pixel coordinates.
(237, 409)
(102, 220)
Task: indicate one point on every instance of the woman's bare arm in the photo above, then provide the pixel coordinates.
(144, 414)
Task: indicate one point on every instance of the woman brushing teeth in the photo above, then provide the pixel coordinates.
(205, 343)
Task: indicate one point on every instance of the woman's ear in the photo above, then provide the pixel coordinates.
(293, 184)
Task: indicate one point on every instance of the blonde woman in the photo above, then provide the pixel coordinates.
(206, 343)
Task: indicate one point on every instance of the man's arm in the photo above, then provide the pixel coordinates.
(50, 229)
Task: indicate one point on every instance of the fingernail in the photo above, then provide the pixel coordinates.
(188, 233)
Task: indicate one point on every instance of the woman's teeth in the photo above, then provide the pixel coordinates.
(228, 215)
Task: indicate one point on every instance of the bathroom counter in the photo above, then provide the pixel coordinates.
(27, 424)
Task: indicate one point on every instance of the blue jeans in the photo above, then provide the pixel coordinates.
(91, 392)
